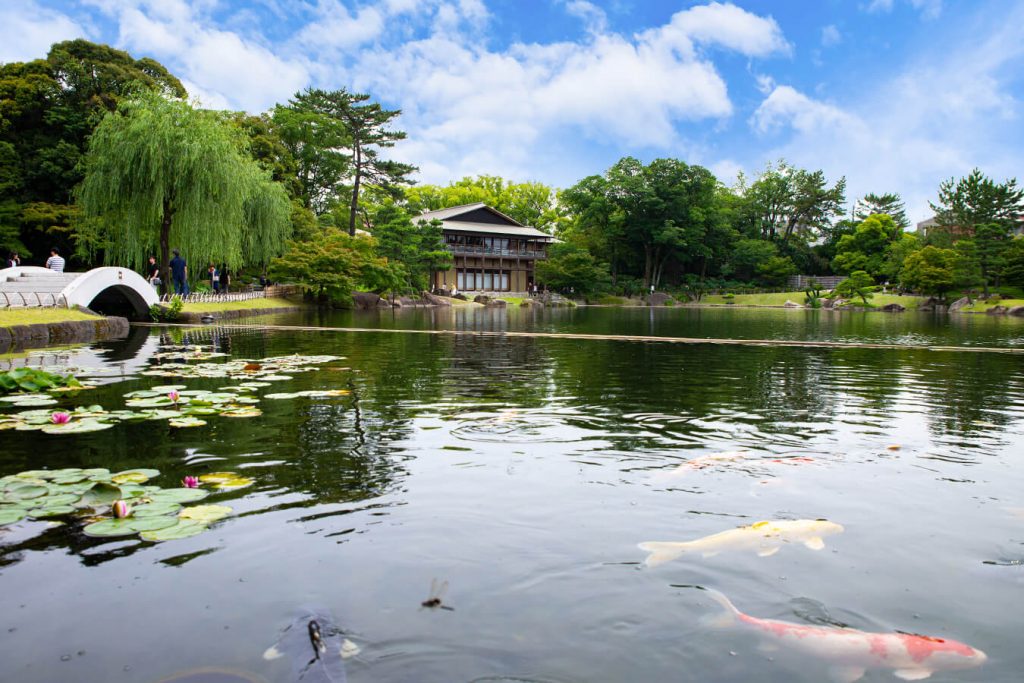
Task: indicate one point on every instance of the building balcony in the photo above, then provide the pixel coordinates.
(469, 250)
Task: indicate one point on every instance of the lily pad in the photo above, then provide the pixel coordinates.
(178, 495)
(242, 412)
(59, 499)
(152, 523)
(78, 427)
(139, 476)
(182, 529)
(205, 513)
(51, 511)
(233, 483)
(26, 491)
(10, 515)
(109, 528)
(101, 493)
(181, 422)
(155, 510)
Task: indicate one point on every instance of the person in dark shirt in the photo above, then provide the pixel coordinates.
(179, 273)
(153, 273)
(225, 278)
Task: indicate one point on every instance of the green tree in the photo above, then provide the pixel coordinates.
(859, 283)
(890, 203)
(785, 201)
(334, 265)
(866, 248)
(571, 267)
(975, 200)
(160, 172)
(317, 142)
(930, 271)
(529, 203)
(776, 270)
(417, 245)
(1012, 270)
(748, 257)
(895, 255)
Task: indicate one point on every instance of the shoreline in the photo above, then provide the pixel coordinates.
(39, 335)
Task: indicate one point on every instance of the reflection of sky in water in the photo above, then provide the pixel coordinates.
(524, 473)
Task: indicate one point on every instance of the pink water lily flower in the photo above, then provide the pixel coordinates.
(174, 395)
(60, 418)
(190, 482)
(121, 509)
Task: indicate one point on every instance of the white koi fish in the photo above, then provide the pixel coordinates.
(851, 652)
(766, 538)
(703, 461)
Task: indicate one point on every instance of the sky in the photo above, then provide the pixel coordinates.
(895, 95)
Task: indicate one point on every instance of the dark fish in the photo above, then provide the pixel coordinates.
(315, 646)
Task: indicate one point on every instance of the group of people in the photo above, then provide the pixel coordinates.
(54, 263)
(219, 278)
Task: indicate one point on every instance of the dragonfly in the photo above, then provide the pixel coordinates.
(437, 591)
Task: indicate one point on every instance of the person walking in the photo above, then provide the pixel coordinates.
(153, 273)
(179, 273)
(55, 262)
(225, 278)
(214, 278)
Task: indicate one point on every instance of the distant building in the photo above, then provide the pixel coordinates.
(492, 252)
(956, 232)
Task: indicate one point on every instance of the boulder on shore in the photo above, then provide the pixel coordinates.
(997, 310)
(893, 308)
(959, 303)
(1017, 311)
(791, 304)
(658, 299)
(365, 301)
(531, 303)
(434, 300)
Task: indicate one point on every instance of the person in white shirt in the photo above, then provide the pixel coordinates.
(55, 262)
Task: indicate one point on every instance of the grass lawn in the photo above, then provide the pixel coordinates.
(780, 298)
(33, 316)
(513, 300)
(982, 306)
(248, 304)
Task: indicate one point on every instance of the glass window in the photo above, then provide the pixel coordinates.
(460, 279)
(488, 280)
(504, 281)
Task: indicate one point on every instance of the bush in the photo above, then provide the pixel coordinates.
(168, 313)
(730, 298)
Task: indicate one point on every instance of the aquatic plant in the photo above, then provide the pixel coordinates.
(120, 509)
(60, 418)
(33, 380)
(190, 482)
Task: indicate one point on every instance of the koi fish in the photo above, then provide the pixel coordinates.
(851, 652)
(702, 461)
(767, 538)
(316, 648)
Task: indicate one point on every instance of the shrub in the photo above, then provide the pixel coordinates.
(168, 313)
(730, 298)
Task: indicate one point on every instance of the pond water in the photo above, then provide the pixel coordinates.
(524, 472)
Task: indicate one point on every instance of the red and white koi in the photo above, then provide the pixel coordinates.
(850, 652)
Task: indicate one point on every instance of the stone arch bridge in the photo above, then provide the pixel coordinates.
(109, 290)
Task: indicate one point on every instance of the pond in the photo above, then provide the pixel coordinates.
(524, 473)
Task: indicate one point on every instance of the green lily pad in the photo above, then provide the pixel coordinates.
(25, 492)
(152, 523)
(242, 412)
(10, 515)
(69, 478)
(205, 513)
(155, 510)
(51, 511)
(182, 529)
(59, 499)
(139, 476)
(78, 427)
(178, 495)
(35, 402)
(166, 388)
(109, 528)
(101, 493)
(21, 398)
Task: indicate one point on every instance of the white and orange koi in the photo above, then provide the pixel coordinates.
(850, 653)
(766, 538)
(703, 461)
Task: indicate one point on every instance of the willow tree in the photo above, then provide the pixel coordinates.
(160, 173)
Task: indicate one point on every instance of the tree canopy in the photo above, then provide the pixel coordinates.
(160, 173)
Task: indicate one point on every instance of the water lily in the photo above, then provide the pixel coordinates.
(174, 396)
(190, 482)
(60, 418)
(121, 509)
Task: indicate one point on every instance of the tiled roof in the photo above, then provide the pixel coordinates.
(493, 229)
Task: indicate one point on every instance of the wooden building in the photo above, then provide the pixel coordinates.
(491, 251)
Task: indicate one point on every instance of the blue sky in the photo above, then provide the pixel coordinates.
(896, 95)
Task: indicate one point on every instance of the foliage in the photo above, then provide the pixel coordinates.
(159, 172)
(785, 201)
(891, 204)
(168, 313)
(334, 265)
(866, 248)
(859, 283)
(929, 271)
(33, 380)
(418, 246)
(570, 267)
(315, 141)
(976, 200)
(529, 203)
(895, 255)
(776, 270)
(748, 256)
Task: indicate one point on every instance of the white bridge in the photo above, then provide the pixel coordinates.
(111, 290)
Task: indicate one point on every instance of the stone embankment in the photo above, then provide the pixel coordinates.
(66, 332)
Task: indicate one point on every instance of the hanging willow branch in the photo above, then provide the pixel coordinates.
(161, 174)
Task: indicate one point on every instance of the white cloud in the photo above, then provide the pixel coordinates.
(929, 9)
(30, 30)
(594, 18)
(725, 25)
(785, 106)
(831, 36)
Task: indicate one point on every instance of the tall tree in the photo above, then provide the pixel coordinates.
(889, 203)
(317, 141)
(975, 200)
(417, 245)
(159, 172)
(786, 201)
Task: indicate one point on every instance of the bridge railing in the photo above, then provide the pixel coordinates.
(32, 300)
(207, 297)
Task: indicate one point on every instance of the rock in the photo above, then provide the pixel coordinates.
(434, 300)
(1017, 311)
(893, 308)
(930, 304)
(827, 303)
(959, 303)
(365, 301)
(658, 299)
(496, 303)
(481, 299)
(997, 310)
(791, 304)
(460, 296)
(531, 303)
